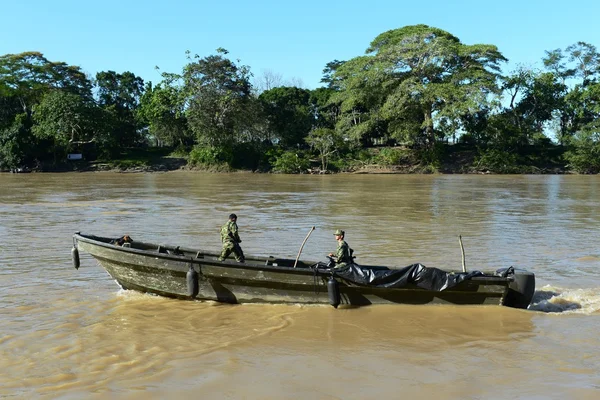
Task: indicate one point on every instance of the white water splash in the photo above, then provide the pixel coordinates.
(552, 299)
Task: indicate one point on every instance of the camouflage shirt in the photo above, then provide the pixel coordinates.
(229, 232)
(344, 253)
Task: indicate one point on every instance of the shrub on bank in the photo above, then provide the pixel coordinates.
(291, 162)
(210, 157)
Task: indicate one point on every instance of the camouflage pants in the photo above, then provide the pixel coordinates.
(231, 247)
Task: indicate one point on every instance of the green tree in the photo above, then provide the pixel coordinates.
(579, 67)
(583, 155)
(535, 98)
(25, 78)
(219, 103)
(325, 113)
(359, 100)
(288, 114)
(119, 95)
(63, 118)
(28, 76)
(326, 142)
(414, 78)
(162, 109)
(329, 77)
(17, 146)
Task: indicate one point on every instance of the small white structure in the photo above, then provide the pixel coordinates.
(74, 156)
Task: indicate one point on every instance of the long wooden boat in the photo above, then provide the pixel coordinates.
(185, 273)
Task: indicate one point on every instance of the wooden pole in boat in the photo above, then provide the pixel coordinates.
(462, 251)
(301, 247)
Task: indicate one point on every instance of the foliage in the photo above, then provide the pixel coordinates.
(535, 98)
(250, 156)
(325, 113)
(63, 118)
(210, 156)
(497, 161)
(416, 86)
(584, 155)
(162, 108)
(389, 156)
(119, 95)
(432, 157)
(218, 99)
(291, 162)
(28, 76)
(411, 79)
(16, 144)
(325, 142)
(288, 115)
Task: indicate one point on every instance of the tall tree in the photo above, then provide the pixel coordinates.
(534, 98)
(325, 113)
(578, 66)
(423, 76)
(25, 78)
(586, 58)
(288, 113)
(64, 119)
(219, 102)
(17, 146)
(326, 142)
(329, 78)
(359, 99)
(162, 109)
(28, 76)
(119, 95)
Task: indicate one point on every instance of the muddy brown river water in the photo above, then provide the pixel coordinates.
(73, 334)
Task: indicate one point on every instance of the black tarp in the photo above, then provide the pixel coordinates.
(416, 274)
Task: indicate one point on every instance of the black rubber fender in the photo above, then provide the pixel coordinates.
(333, 290)
(75, 257)
(191, 278)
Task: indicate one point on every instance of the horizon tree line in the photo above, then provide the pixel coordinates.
(416, 87)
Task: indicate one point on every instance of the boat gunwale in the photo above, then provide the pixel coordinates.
(487, 278)
(253, 265)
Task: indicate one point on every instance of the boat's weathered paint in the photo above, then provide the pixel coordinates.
(262, 279)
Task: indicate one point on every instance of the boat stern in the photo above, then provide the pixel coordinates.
(521, 288)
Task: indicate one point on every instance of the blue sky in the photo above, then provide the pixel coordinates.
(293, 39)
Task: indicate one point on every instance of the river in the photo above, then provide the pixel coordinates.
(72, 334)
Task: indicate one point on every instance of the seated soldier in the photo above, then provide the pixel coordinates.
(343, 255)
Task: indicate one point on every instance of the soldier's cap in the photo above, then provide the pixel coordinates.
(232, 216)
(339, 232)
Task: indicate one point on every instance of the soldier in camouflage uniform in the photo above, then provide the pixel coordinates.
(343, 255)
(231, 240)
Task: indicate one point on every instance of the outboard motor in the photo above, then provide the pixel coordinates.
(521, 289)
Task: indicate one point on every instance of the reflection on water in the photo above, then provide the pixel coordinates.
(74, 334)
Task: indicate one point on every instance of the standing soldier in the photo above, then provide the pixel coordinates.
(231, 240)
(343, 255)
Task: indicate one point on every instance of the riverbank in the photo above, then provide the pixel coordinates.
(456, 160)
(180, 164)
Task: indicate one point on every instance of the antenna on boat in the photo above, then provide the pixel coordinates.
(462, 251)
(301, 247)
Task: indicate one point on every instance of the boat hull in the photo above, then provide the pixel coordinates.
(264, 279)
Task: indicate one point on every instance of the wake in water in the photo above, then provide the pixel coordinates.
(552, 299)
